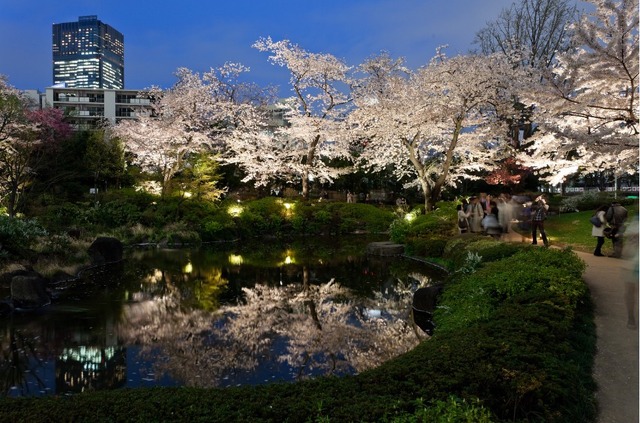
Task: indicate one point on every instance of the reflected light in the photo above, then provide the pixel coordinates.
(373, 313)
(187, 195)
(409, 217)
(155, 277)
(236, 260)
(188, 268)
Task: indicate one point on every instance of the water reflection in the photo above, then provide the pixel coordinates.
(217, 317)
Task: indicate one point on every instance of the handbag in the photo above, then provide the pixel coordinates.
(595, 221)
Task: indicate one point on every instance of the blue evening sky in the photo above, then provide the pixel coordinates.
(161, 36)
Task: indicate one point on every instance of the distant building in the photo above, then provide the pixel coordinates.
(88, 54)
(36, 99)
(88, 108)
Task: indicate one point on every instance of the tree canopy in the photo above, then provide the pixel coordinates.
(587, 106)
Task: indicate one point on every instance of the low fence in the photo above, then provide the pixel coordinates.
(578, 190)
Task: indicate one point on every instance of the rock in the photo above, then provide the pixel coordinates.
(385, 248)
(5, 278)
(28, 291)
(426, 299)
(424, 303)
(5, 309)
(105, 250)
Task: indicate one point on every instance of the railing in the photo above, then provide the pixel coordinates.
(577, 190)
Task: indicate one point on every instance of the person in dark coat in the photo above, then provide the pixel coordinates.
(538, 216)
(616, 218)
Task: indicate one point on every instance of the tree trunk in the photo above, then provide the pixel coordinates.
(434, 195)
(427, 195)
(305, 185)
(309, 302)
(12, 203)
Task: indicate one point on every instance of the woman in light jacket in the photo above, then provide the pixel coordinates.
(598, 231)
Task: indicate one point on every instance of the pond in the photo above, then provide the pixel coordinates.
(217, 316)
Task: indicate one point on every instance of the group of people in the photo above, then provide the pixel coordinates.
(610, 222)
(493, 216)
(486, 214)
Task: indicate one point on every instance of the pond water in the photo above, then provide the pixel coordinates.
(217, 316)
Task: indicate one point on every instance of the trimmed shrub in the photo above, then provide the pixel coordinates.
(489, 249)
(360, 216)
(474, 297)
(425, 247)
(265, 216)
(438, 223)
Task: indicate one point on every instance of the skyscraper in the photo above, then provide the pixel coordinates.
(88, 54)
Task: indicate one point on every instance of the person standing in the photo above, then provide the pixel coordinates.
(476, 214)
(490, 222)
(598, 231)
(463, 219)
(505, 213)
(538, 216)
(616, 216)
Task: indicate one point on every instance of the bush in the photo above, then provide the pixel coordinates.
(18, 236)
(452, 410)
(439, 223)
(59, 217)
(591, 200)
(218, 229)
(531, 271)
(360, 216)
(265, 216)
(426, 247)
(135, 234)
(179, 233)
(115, 213)
(487, 248)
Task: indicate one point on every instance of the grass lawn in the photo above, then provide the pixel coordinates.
(574, 229)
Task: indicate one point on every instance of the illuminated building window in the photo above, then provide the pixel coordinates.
(88, 54)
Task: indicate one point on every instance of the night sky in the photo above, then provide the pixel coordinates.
(161, 36)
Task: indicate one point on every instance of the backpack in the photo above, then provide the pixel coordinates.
(463, 223)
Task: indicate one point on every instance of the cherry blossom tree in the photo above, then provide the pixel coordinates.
(311, 134)
(195, 115)
(588, 107)
(24, 137)
(11, 107)
(436, 125)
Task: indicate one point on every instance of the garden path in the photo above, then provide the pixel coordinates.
(614, 289)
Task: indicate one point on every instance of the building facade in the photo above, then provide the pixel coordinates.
(87, 54)
(89, 108)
